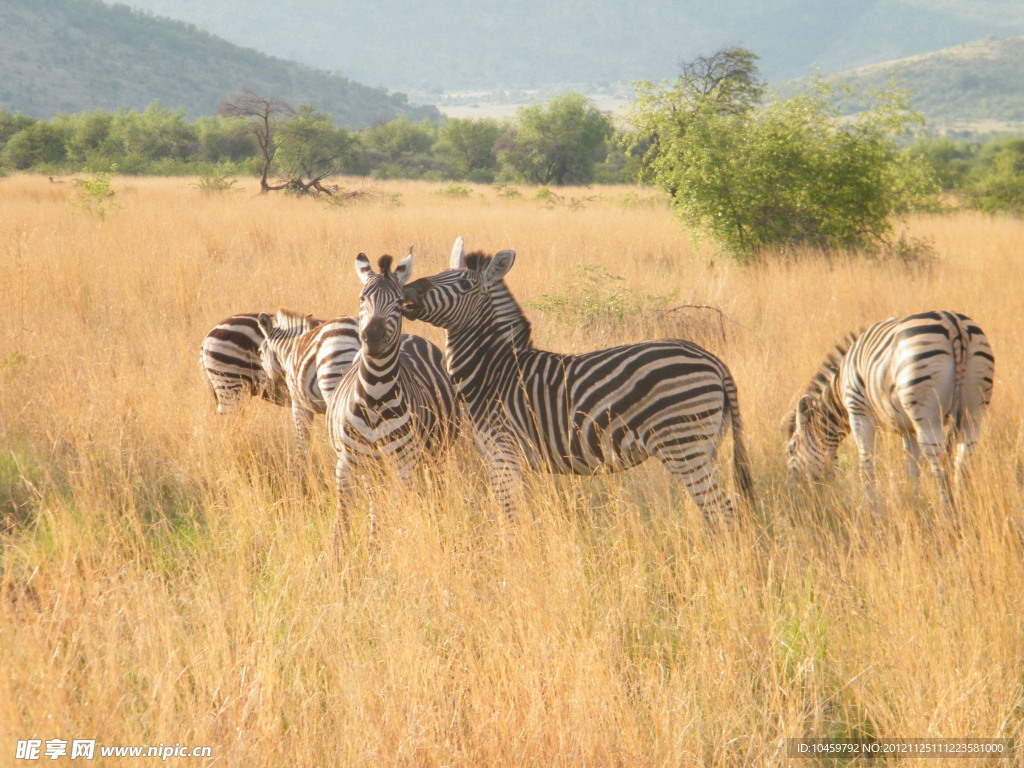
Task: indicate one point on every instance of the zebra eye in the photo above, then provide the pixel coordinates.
(465, 284)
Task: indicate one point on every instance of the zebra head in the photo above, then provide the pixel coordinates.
(811, 451)
(279, 334)
(380, 303)
(460, 297)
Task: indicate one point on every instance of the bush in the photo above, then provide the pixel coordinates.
(594, 296)
(96, 195)
(760, 178)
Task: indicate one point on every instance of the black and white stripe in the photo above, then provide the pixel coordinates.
(915, 376)
(230, 359)
(601, 411)
(396, 403)
(307, 358)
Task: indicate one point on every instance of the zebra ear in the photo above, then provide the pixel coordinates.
(499, 266)
(458, 257)
(363, 268)
(804, 409)
(266, 324)
(404, 269)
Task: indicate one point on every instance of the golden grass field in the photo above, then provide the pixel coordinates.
(168, 574)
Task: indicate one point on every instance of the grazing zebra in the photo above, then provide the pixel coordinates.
(912, 376)
(600, 411)
(392, 404)
(231, 361)
(306, 358)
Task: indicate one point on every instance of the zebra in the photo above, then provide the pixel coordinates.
(396, 402)
(307, 358)
(912, 375)
(605, 410)
(230, 359)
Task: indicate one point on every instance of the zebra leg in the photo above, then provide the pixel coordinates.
(343, 481)
(303, 419)
(504, 459)
(913, 460)
(933, 446)
(698, 469)
(864, 435)
(965, 433)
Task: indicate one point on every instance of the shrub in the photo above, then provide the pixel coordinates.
(759, 178)
(96, 195)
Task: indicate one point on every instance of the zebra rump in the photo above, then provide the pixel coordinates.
(230, 359)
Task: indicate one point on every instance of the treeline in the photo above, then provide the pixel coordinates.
(566, 141)
(987, 175)
(759, 175)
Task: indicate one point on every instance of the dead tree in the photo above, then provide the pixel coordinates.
(263, 115)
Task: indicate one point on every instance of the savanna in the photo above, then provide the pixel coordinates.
(168, 575)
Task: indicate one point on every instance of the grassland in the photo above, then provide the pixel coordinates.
(168, 575)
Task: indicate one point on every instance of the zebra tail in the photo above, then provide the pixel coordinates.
(960, 357)
(740, 459)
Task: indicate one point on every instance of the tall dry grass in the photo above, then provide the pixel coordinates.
(168, 576)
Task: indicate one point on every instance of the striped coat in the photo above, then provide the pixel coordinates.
(230, 359)
(601, 411)
(396, 403)
(307, 359)
(918, 376)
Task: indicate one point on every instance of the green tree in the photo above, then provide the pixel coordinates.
(310, 149)
(556, 143)
(155, 133)
(11, 123)
(400, 148)
(39, 144)
(467, 148)
(950, 159)
(788, 173)
(224, 140)
(996, 183)
(88, 140)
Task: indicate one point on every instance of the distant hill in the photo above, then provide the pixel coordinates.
(977, 86)
(434, 47)
(78, 55)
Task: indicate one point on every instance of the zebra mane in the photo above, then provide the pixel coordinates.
(477, 260)
(829, 368)
(824, 377)
(384, 264)
(507, 312)
(290, 320)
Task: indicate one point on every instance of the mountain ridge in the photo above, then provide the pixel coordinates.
(425, 48)
(80, 55)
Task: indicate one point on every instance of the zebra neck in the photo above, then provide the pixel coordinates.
(378, 375)
(500, 335)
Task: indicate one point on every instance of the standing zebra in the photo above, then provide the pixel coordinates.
(912, 376)
(307, 358)
(604, 410)
(230, 359)
(394, 403)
